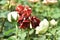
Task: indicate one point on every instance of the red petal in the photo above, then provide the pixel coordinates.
(20, 19)
(25, 24)
(19, 9)
(35, 21)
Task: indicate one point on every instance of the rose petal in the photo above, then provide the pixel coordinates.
(35, 21)
(19, 9)
(25, 24)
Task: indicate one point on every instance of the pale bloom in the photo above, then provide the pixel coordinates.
(30, 25)
(11, 2)
(33, 0)
(42, 28)
(44, 23)
(53, 22)
(13, 15)
(45, 2)
(49, 1)
(52, 1)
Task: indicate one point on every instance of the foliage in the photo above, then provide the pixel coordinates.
(7, 29)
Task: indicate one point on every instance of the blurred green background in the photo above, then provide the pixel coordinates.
(39, 9)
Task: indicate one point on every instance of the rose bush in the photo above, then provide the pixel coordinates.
(29, 19)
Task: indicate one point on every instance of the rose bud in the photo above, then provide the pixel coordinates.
(53, 22)
(43, 26)
(13, 15)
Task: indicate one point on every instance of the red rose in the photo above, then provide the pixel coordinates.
(25, 17)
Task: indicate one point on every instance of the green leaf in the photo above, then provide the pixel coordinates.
(41, 37)
(22, 34)
(4, 14)
(9, 32)
(53, 30)
(58, 35)
(3, 2)
(1, 35)
(12, 38)
(9, 28)
(31, 31)
(56, 15)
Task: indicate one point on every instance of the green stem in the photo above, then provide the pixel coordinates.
(2, 29)
(16, 32)
(55, 35)
(28, 37)
(48, 38)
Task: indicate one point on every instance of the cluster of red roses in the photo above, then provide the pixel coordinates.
(25, 17)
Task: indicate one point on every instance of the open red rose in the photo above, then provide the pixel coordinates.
(25, 17)
(25, 10)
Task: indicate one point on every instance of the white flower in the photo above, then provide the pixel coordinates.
(53, 22)
(52, 1)
(45, 2)
(11, 15)
(49, 1)
(44, 23)
(42, 28)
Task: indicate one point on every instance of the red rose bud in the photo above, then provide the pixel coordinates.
(35, 21)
